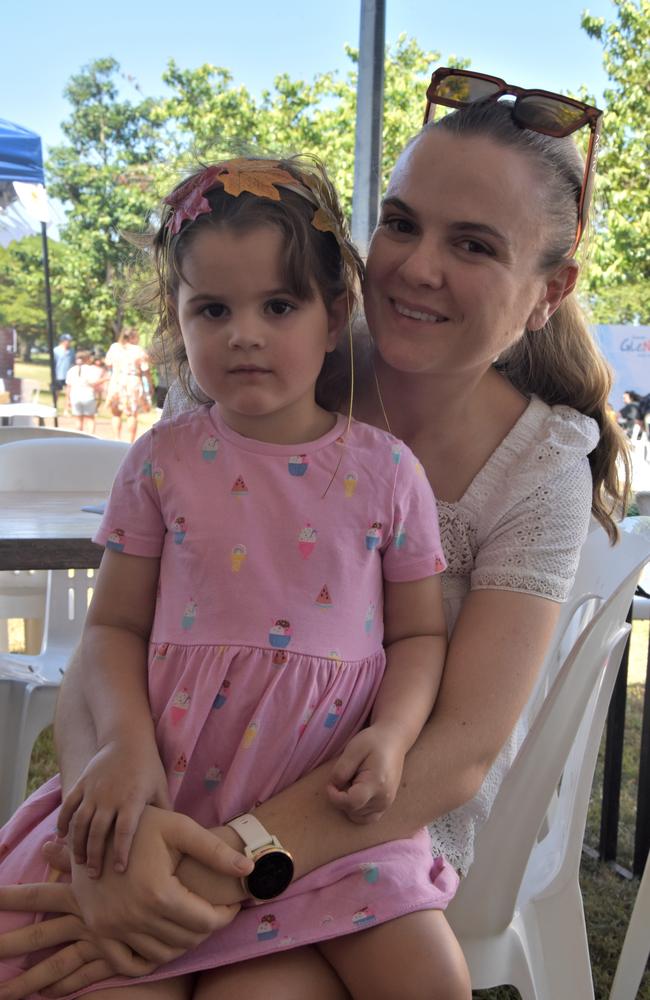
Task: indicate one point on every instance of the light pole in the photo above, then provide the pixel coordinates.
(370, 101)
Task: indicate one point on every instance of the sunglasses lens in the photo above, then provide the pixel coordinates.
(465, 89)
(549, 115)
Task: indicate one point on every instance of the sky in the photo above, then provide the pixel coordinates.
(529, 44)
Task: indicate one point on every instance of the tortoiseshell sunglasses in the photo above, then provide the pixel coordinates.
(537, 110)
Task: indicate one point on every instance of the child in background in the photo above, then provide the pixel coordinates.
(273, 566)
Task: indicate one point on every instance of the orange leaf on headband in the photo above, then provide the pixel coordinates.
(255, 176)
(324, 221)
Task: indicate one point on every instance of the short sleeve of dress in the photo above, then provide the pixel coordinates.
(133, 522)
(414, 550)
(534, 546)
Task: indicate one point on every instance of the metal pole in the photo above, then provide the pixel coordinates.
(48, 310)
(370, 100)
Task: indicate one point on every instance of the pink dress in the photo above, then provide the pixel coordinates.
(266, 649)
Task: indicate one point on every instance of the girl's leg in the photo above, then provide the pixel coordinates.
(298, 974)
(415, 957)
(132, 427)
(179, 988)
(116, 421)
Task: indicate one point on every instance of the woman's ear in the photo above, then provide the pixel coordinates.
(558, 285)
(338, 318)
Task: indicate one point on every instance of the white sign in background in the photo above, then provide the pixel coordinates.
(627, 348)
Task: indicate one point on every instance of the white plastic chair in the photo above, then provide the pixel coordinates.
(636, 946)
(29, 684)
(518, 914)
(22, 593)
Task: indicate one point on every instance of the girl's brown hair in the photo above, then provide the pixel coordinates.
(561, 362)
(314, 261)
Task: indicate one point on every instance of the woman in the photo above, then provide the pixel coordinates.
(469, 299)
(81, 385)
(127, 394)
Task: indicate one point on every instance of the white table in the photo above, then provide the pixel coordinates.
(48, 531)
(37, 411)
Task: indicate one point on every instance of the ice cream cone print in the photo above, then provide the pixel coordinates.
(237, 557)
(400, 536)
(158, 477)
(212, 778)
(370, 617)
(180, 767)
(396, 453)
(161, 650)
(307, 537)
(189, 615)
(222, 695)
(350, 480)
(239, 488)
(179, 528)
(115, 540)
(333, 714)
(373, 535)
(324, 600)
(298, 465)
(147, 470)
(267, 928)
(280, 634)
(210, 448)
(180, 705)
(250, 733)
(334, 654)
(370, 871)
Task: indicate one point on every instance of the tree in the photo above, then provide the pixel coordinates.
(619, 271)
(22, 291)
(104, 175)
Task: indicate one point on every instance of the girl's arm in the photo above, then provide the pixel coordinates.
(367, 774)
(125, 772)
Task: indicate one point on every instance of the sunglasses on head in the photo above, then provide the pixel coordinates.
(537, 110)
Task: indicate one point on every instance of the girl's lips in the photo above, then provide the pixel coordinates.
(412, 312)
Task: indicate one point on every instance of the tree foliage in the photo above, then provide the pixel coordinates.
(619, 271)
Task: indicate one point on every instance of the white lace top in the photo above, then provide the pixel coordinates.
(519, 526)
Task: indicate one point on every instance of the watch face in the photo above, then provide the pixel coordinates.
(272, 875)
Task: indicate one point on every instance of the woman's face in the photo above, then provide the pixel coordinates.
(453, 269)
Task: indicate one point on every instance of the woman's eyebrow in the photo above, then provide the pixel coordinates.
(393, 202)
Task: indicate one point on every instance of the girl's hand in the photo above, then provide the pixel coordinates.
(113, 790)
(149, 906)
(366, 776)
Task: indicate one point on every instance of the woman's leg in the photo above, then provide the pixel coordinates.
(415, 957)
(132, 426)
(297, 974)
(116, 421)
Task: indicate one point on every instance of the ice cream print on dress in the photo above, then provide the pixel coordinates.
(189, 614)
(307, 537)
(280, 634)
(210, 448)
(373, 535)
(179, 528)
(298, 465)
(115, 540)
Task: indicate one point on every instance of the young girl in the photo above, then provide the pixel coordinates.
(275, 567)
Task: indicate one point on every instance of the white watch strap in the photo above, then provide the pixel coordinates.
(251, 832)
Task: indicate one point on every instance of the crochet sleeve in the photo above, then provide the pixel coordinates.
(534, 546)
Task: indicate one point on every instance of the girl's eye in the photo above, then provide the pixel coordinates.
(277, 307)
(215, 310)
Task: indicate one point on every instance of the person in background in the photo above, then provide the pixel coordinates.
(81, 385)
(63, 360)
(629, 415)
(127, 396)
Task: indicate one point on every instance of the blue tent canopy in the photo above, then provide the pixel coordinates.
(21, 156)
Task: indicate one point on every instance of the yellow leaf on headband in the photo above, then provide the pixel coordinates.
(324, 221)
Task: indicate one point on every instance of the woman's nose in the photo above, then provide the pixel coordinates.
(424, 265)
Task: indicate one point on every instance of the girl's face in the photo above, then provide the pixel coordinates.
(252, 345)
(453, 268)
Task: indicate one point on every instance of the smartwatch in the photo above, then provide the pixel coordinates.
(273, 869)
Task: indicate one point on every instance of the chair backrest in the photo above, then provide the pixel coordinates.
(9, 434)
(60, 464)
(30, 389)
(562, 743)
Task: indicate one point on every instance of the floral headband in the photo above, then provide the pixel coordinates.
(263, 178)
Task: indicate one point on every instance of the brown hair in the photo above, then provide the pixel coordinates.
(559, 363)
(313, 260)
